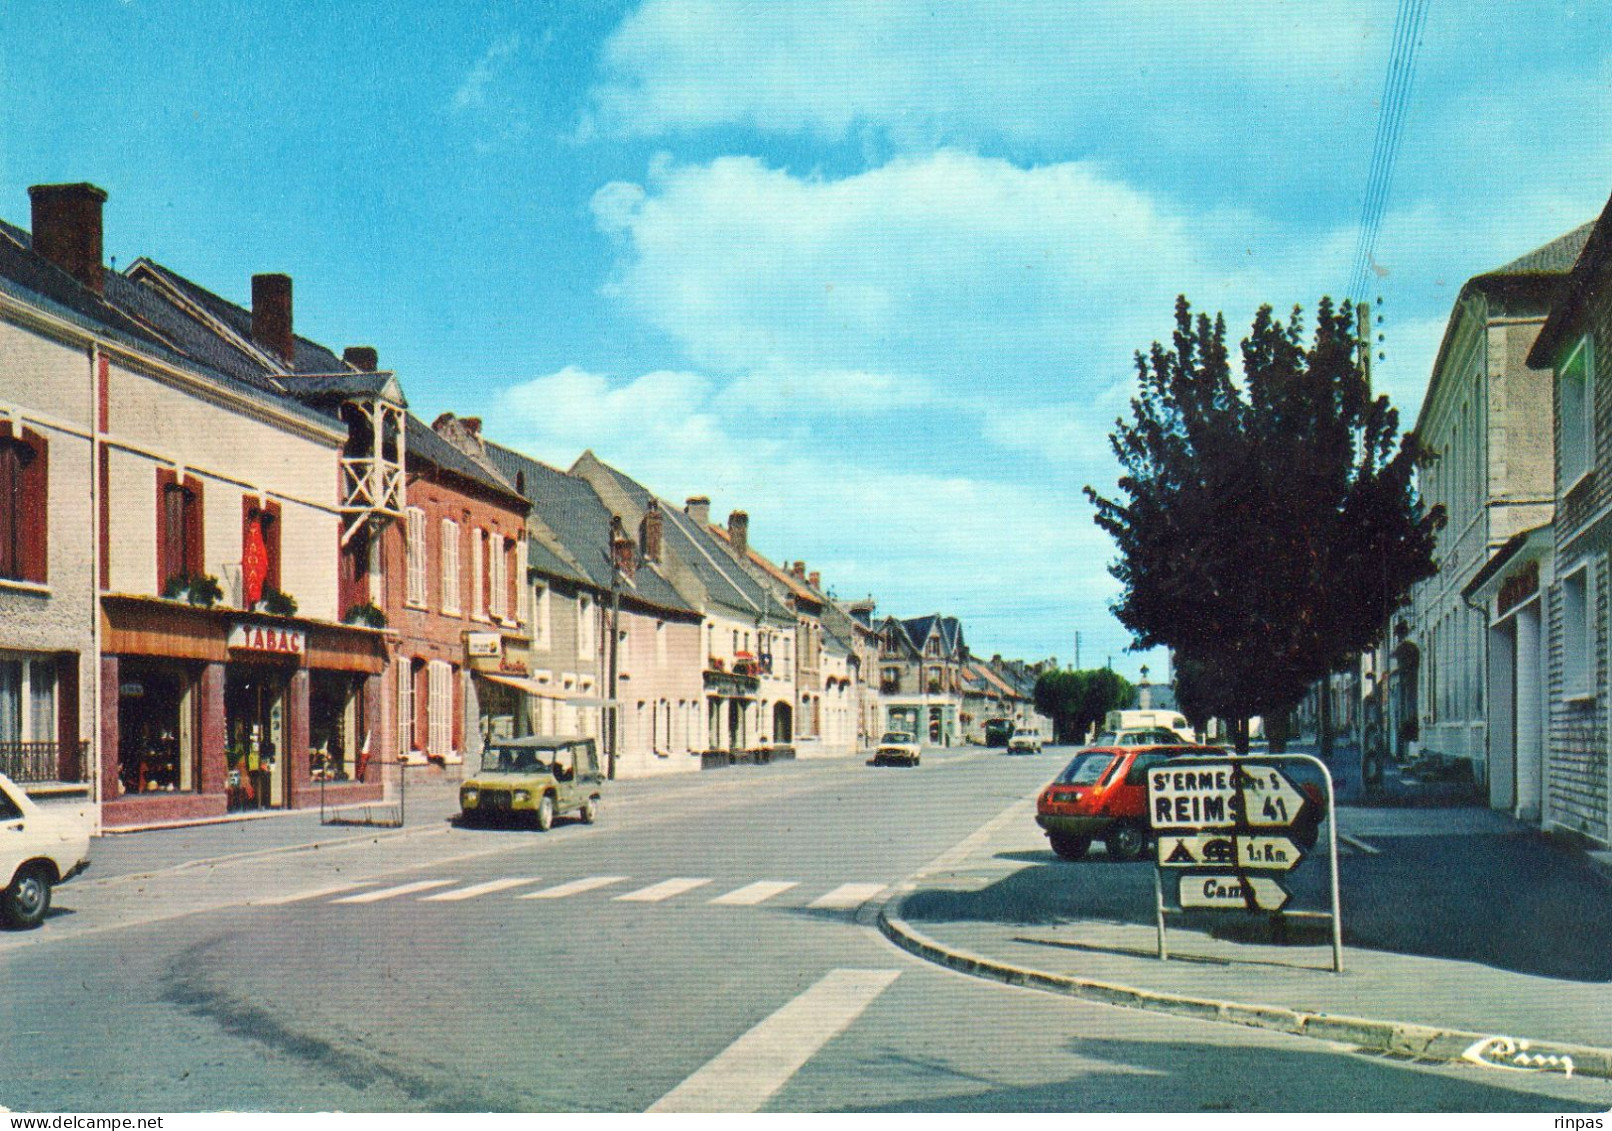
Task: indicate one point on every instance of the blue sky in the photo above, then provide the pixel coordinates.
(872, 272)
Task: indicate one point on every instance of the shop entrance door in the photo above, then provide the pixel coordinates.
(255, 725)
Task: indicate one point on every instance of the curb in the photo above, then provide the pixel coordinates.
(1394, 1038)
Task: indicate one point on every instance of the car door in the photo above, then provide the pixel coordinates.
(13, 837)
(1130, 796)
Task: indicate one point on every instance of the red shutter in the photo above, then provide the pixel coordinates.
(167, 567)
(68, 766)
(36, 510)
(193, 527)
(271, 539)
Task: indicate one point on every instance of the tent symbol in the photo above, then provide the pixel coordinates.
(1181, 854)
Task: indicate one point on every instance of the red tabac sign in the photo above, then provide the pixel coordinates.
(248, 637)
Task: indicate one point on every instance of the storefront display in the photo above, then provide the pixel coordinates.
(156, 728)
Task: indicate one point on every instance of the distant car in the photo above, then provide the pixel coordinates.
(896, 748)
(998, 731)
(534, 779)
(1024, 741)
(1143, 736)
(38, 850)
(1102, 795)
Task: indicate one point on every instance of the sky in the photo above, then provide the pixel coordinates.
(874, 273)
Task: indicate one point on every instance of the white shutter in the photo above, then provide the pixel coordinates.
(498, 580)
(416, 537)
(478, 603)
(440, 707)
(523, 587)
(405, 707)
(451, 581)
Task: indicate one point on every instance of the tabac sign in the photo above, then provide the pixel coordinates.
(247, 636)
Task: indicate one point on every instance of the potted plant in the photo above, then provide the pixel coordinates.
(199, 589)
(277, 603)
(368, 615)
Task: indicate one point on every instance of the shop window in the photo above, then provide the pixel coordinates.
(179, 527)
(23, 505)
(338, 732)
(260, 550)
(157, 726)
(256, 735)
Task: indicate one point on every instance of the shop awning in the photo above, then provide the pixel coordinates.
(521, 683)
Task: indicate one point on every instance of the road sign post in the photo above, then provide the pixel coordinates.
(1228, 820)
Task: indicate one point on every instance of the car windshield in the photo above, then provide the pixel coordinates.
(1107, 738)
(1026, 733)
(517, 760)
(896, 738)
(1086, 769)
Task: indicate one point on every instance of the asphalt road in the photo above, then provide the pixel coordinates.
(704, 947)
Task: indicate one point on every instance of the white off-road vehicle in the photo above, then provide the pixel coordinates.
(38, 849)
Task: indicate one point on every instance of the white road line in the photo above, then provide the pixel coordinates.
(752, 894)
(746, 1074)
(479, 889)
(847, 896)
(573, 887)
(298, 897)
(1359, 845)
(654, 893)
(389, 893)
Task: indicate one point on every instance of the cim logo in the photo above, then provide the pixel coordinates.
(249, 637)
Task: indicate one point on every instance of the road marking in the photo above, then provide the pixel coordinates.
(752, 894)
(298, 897)
(847, 896)
(1359, 845)
(746, 1074)
(573, 887)
(654, 893)
(389, 893)
(479, 889)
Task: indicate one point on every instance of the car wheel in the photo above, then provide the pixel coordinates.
(590, 810)
(545, 813)
(1126, 841)
(1069, 847)
(25, 902)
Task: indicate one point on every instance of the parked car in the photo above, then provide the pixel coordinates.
(38, 850)
(896, 748)
(998, 731)
(534, 779)
(1024, 741)
(1102, 795)
(1143, 736)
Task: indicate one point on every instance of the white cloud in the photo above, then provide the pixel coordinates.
(472, 92)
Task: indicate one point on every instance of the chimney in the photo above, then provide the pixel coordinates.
(67, 229)
(362, 358)
(739, 532)
(623, 553)
(650, 532)
(815, 579)
(271, 315)
(463, 432)
(699, 509)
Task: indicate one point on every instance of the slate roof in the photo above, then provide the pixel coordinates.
(577, 522)
(797, 588)
(1584, 281)
(951, 632)
(698, 549)
(423, 443)
(1554, 258)
(129, 315)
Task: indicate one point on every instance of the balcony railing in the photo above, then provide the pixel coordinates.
(44, 761)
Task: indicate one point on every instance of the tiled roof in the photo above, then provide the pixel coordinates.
(1554, 258)
(1587, 278)
(578, 519)
(797, 588)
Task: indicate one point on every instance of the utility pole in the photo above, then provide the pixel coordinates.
(1077, 649)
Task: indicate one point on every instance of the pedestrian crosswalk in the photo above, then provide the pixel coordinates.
(755, 893)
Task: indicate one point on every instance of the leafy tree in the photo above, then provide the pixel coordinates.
(1269, 525)
(1076, 701)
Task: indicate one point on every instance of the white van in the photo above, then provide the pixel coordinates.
(1117, 721)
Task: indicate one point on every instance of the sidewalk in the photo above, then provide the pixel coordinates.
(1459, 926)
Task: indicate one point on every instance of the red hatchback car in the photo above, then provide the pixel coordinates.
(1102, 795)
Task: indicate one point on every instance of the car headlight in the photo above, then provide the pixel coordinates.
(468, 796)
(523, 795)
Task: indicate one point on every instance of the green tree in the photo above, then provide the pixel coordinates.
(1268, 526)
(1076, 701)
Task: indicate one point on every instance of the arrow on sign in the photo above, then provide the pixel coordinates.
(1268, 853)
(1252, 893)
(1270, 800)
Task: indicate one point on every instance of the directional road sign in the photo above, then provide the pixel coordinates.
(1221, 891)
(1221, 795)
(1249, 853)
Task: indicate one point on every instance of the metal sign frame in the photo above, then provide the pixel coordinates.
(1244, 828)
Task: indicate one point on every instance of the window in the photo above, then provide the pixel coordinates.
(23, 505)
(415, 534)
(540, 615)
(439, 709)
(451, 580)
(158, 725)
(179, 527)
(478, 575)
(1578, 636)
(586, 646)
(497, 576)
(405, 707)
(1576, 411)
(27, 700)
